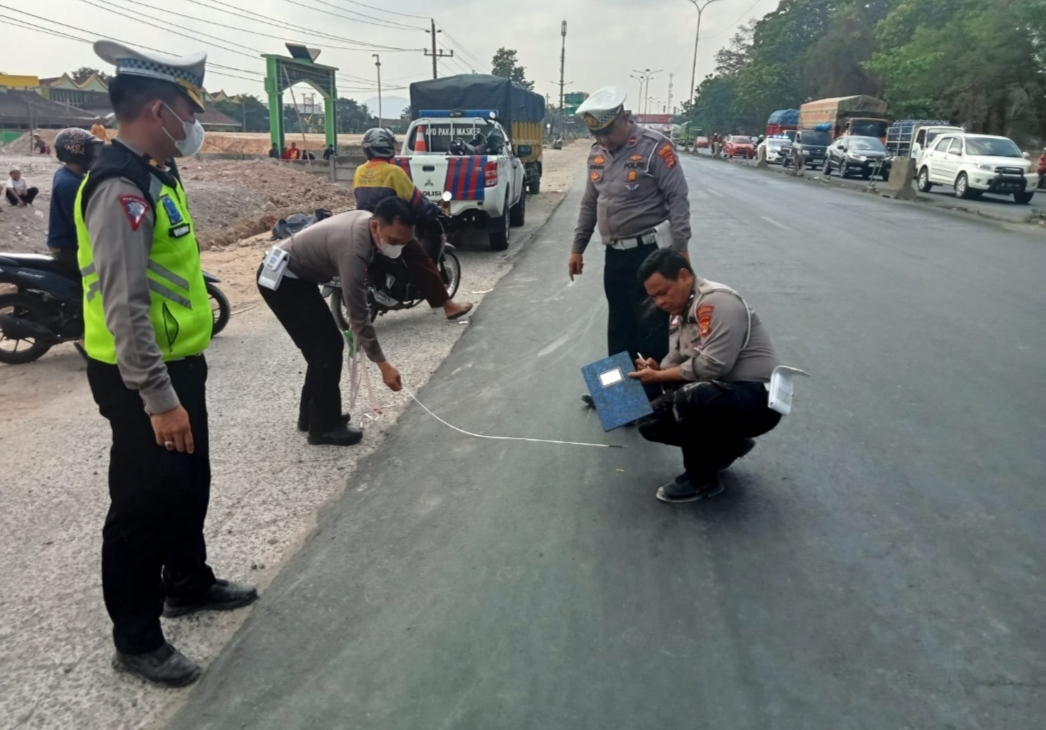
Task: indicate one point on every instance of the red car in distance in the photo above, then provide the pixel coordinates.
(739, 146)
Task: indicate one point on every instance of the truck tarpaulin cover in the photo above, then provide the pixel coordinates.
(785, 117)
(478, 91)
(828, 110)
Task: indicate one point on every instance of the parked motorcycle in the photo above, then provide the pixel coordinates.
(394, 291)
(47, 308)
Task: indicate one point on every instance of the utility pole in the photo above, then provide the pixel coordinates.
(436, 54)
(697, 37)
(644, 80)
(562, 62)
(671, 78)
(377, 63)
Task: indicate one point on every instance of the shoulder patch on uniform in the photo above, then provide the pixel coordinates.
(599, 160)
(594, 177)
(135, 208)
(667, 154)
(704, 319)
(171, 209)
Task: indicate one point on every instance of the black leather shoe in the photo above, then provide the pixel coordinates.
(222, 596)
(681, 490)
(587, 400)
(166, 666)
(303, 422)
(340, 436)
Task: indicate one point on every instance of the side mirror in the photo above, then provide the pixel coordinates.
(524, 150)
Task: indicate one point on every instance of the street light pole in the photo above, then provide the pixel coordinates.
(644, 79)
(697, 37)
(377, 63)
(562, 62)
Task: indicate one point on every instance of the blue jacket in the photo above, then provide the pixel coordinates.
(61, 231)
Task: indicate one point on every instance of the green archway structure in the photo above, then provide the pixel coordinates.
(282, 73)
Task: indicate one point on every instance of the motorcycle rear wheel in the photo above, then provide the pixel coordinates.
(26, 307)
(450, 271)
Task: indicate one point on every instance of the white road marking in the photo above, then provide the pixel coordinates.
(772, 222)
(714, 192)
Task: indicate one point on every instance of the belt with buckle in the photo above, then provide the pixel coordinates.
(625, 244)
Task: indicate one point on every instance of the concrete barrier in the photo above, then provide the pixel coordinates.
(899, 186)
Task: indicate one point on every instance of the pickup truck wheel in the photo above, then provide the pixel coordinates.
(925, 185)
(1022, 198)
(518, 214)
(498, 230)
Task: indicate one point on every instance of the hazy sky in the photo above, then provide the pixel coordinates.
(606, 39)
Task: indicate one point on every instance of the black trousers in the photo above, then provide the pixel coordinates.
(303, 312)
(635, 324)
(709, 421)
(67, 258)
(27, 197)
(152, 543)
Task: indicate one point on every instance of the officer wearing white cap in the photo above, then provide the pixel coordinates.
(635, 185)
(147, 321)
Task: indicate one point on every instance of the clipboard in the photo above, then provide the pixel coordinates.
(619, 399)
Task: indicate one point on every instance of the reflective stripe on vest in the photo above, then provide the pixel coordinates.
(179, 309)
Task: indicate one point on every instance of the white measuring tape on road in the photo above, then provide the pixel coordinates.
(358, 374)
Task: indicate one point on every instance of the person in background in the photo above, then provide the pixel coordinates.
(40, 145)
(17, 190)
(292, 153)
(75, 149)
(329, 152)
(274, 152)
(306, 155)
(379, 179)
(718, 367)
(1042, 170)
(98, 130)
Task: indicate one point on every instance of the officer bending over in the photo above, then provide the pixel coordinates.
(345, 246)
(719, 364)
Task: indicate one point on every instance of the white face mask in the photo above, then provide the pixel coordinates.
(389, 250)
(193, 141)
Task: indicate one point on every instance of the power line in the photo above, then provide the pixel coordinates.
(382, 10)
(282, 25)
(464, 50)
(382, 21)
(732, 26)
(347, 17)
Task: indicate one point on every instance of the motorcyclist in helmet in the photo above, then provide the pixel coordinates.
(75, 148)
(378, 179)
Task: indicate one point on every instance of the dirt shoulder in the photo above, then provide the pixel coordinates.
(268, 484)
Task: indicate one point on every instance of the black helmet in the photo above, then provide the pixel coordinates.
(76, 145)
(379, 142)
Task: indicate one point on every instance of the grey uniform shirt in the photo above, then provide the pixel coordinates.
(712, 340)
(340, 246)
(121, 258)
(633, 190)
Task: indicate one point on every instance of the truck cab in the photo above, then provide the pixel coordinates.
(468, 154)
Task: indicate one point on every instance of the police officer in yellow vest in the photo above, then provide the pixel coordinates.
(147, 321)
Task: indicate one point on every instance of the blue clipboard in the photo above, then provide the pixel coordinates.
(619, 399)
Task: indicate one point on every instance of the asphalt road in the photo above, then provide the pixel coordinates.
(877, 562)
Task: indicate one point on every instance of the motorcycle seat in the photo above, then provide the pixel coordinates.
(33, 261)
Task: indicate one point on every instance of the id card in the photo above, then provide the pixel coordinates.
(273, 268)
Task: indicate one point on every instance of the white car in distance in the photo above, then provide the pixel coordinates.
(772, 149)
(974, 164)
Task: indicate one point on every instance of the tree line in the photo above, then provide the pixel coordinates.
(979, 63)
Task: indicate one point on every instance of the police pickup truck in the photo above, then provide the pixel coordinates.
(469, 155)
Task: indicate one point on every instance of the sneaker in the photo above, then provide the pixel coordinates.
(224, 595)
(340, 436)
(165, 666)
(587, 400)
(681, 490)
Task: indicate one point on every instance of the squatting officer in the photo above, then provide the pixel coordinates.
(635, 185)
(719, 363)
(147, 321)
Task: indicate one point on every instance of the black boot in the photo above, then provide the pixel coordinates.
(166, 666)
(222, 596)
(340, 436)
(681, 490)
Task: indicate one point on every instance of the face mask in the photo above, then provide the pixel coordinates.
(193, 141)
(389, 251)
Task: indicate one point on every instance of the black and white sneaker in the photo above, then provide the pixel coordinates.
(681, 490)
